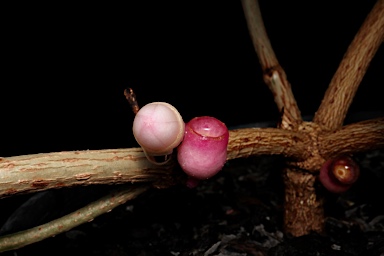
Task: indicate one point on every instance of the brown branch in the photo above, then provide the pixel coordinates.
(351, 71)
(353, 138)
(267, 141)
(304, 211)
(274, 75)
(74, 219)
(37, 172)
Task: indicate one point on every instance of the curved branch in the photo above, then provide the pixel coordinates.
(351, 71)
(353, 138)
(274, 75)
(67, 222)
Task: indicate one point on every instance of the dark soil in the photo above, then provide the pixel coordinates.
(238, 212)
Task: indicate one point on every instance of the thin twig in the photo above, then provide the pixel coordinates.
(274, 75)
(351, 70)
(74, 219)
(131, 98)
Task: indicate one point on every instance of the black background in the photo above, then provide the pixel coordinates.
(66, 65)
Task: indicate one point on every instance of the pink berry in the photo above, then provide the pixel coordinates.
(158, 128)
(203, 152)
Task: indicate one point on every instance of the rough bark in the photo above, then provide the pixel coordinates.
(303, 208)
(357, 137)
(267, 141)
(37, 172)
(308, 146)
(346, 80)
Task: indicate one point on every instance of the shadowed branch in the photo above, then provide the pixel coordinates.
(74, 219)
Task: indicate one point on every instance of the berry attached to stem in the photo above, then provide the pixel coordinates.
(338, 174)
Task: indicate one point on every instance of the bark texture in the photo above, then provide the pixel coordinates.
(303, 208)
(345, 82)
(37, 172)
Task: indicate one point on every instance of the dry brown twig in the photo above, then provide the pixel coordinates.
(306, 144)
(131, 98)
